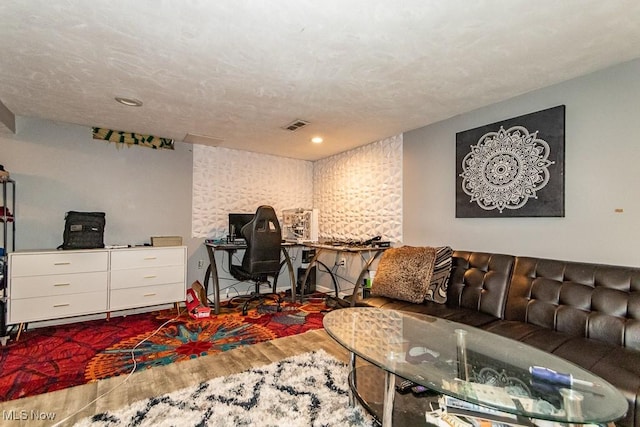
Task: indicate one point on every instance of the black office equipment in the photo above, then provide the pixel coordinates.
(236, 222)
(262, 257)
(83, 230)
(310, 286)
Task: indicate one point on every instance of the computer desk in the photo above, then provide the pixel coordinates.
(368, 253)
(212, 270)
(372, 252)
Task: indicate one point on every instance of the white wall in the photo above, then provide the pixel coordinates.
(226, 180)
(359, 192)
(58, 167)
(602, 153)
(359, 195)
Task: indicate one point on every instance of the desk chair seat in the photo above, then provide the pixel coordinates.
(261, 259)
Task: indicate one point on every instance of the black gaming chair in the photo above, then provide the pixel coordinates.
(262, 256)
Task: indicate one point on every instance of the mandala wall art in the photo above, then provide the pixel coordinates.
(513, 168)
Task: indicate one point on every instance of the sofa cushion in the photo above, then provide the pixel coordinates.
(461, 315)
(536, 336)
(404, 273)
(621, 368)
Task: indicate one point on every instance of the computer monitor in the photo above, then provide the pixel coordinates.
(236, 222)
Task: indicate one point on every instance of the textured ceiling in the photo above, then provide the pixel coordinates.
(358, 70)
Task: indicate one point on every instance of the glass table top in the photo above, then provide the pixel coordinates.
(499, 372)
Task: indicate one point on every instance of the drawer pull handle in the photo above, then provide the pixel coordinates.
(60, 305)
(149, 258)
(62, 263)
(62, 284)
(151, 276)
(149, 295)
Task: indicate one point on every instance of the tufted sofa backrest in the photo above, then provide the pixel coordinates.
(480, 281)
(595, 301)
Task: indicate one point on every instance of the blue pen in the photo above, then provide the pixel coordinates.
(551, 376)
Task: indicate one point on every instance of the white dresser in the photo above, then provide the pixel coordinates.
(45, 285)
(148, 276)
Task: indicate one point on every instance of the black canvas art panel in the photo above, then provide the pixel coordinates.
(512, 168)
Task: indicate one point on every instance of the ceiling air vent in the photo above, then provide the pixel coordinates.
(194, 138)
(295, 125)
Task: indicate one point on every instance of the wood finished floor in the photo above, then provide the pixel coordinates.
(156, 381)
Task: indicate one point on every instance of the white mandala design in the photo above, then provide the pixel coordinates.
(506, 169)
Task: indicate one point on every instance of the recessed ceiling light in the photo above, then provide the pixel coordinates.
(129, 102)
(316, 139)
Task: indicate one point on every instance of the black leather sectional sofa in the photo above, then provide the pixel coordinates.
(586, 313)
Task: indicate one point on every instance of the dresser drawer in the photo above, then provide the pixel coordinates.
(148, 295)
(54, 307)
(146, 276)
(58, 284)
(63, 262)
(152, 257)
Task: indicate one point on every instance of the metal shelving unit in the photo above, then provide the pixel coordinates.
(7, 211)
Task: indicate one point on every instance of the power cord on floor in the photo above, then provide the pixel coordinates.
(135, 365)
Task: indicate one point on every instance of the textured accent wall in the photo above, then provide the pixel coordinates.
(359, 192)
(226, 180)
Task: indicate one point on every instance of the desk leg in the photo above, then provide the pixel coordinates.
(389, 395)
(356, 288)
(292, 277)
(313, 262)
(333, 277)
(212, 272)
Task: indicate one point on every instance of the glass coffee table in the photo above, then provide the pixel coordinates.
(469, 366)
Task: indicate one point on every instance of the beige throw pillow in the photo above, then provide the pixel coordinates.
(404, 273)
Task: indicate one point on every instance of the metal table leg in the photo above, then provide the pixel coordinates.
(356, 287)
(212, 272)
(352, 379)
(389, 395)
(292, 277)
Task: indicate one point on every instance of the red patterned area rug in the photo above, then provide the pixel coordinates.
(57, 357)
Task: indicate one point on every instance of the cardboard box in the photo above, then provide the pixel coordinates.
(166, 241)
(195, 307)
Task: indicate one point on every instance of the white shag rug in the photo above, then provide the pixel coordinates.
(306, 390)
